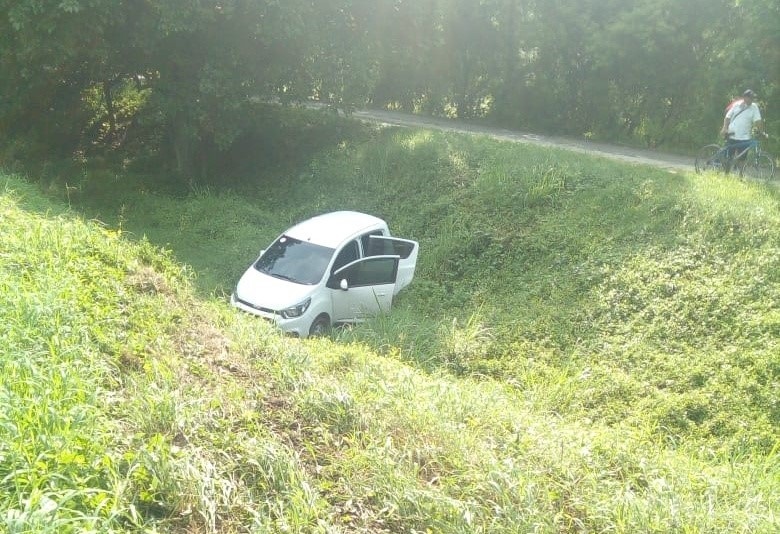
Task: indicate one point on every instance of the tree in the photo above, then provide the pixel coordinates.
(187, 76)
(51, 50)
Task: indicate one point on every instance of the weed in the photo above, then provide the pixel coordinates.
(587, 346)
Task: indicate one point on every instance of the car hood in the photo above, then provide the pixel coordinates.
(265, 291)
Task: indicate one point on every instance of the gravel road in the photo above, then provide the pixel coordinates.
(670, 162)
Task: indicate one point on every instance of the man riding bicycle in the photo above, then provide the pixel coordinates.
(742, 117)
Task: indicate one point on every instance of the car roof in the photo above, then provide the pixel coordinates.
(332, 229)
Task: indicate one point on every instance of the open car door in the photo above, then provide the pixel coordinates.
(363, 288)
(405, 249)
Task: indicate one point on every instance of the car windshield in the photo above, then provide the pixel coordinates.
(294, 260)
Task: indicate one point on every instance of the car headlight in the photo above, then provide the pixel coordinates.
(297, 310)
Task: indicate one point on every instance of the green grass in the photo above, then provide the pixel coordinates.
(587, 347)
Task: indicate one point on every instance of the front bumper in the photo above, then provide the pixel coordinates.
(296, 326)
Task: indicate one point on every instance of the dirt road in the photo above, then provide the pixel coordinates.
(670, 162)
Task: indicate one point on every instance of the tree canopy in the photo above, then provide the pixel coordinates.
(184, 77)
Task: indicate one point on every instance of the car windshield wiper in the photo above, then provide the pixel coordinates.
(284, 277)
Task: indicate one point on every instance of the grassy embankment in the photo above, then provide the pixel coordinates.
(587, 346)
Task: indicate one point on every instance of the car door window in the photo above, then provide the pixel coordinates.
(348, 254)
(374, 247)
(383, 245)
(374, 271)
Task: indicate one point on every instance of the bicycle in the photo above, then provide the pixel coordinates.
(723, 158)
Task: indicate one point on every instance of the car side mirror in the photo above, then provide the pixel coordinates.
(343, 284)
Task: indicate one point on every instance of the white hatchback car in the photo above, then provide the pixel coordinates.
(340, 267)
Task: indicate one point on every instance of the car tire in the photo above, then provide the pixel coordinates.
(320, 326)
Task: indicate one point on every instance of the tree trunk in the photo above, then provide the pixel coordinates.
(110, 108)
(181, 140)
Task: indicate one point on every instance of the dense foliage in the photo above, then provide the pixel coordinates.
(182, 79)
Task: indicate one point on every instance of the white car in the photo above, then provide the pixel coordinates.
(340, 267)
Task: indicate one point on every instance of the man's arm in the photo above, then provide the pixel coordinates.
(725, 130)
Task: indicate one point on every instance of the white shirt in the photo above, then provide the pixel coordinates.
(741, 118)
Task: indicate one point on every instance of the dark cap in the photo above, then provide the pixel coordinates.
(749, 94)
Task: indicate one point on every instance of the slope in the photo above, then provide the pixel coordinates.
(135, 405)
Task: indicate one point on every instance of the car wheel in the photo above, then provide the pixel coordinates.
(320, 326)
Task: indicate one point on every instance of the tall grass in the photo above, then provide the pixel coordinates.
(587, 347)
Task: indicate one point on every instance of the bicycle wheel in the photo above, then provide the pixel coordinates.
(761, 167)
(710, 158)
